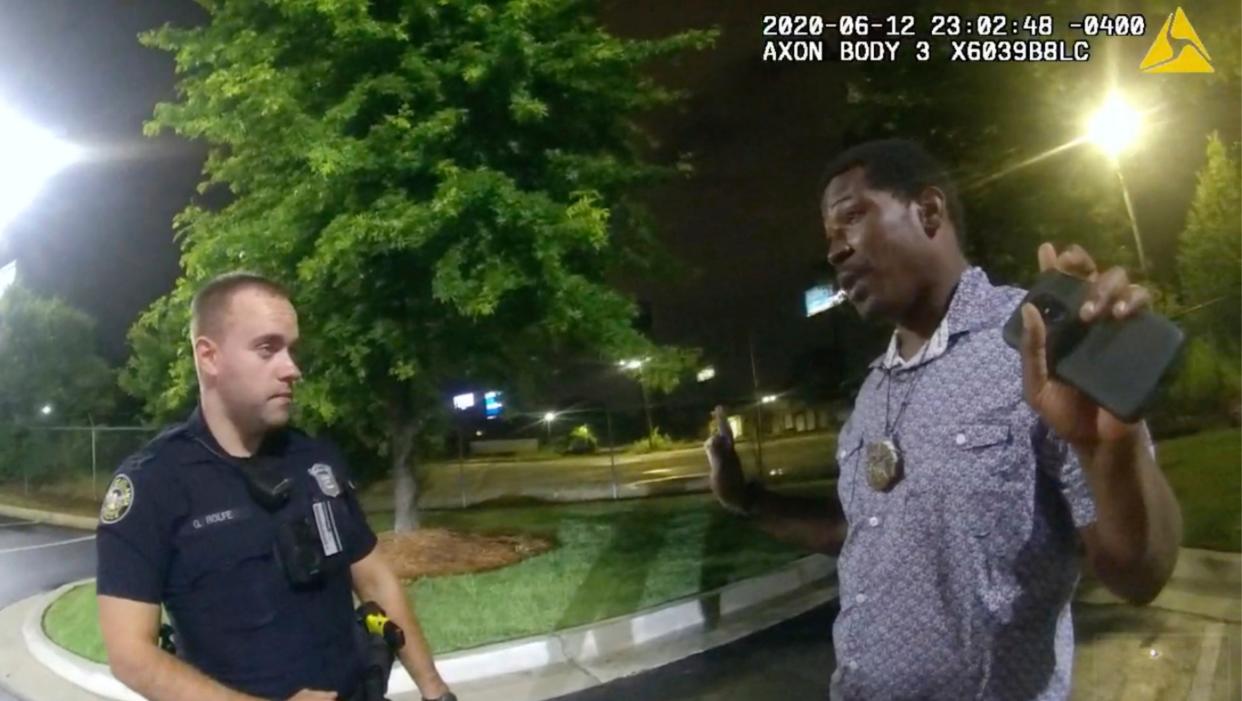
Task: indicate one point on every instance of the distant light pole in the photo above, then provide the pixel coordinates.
(1113, 128)
(754, 378)
(636, 365)
(548, 418)
(461, 403)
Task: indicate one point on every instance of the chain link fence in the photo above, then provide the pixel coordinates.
(580, 455)
(72, 463)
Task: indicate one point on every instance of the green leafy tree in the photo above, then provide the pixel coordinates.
(48, 357)
(443, 185)
(659, 373)
(1209, 260)
(1010, 131)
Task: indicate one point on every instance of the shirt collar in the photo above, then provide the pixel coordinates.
(968, 311)
(196, 426)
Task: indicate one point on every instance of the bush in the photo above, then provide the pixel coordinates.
(654, 444)
(581, 441)
(1206, 390)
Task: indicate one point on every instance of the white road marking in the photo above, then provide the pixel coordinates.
(47, 545)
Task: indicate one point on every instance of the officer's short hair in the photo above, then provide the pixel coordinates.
(211, 302)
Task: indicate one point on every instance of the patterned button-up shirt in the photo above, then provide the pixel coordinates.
(956, 583)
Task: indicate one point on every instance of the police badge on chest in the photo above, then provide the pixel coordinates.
(325, 521)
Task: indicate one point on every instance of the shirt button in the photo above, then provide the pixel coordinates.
(861, 598)
(960, 439)
(873, 521)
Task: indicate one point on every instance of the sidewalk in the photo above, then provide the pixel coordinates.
(1125, 653)
(1187, 644)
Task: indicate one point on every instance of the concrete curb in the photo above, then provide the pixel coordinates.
(597, 652)
(82, 672)
(85, 523)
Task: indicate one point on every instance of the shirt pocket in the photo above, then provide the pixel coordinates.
(232, 578)
(985, 452)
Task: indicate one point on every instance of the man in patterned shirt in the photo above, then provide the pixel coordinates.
(968, 476)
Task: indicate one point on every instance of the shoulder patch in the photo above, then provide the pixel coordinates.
(117, 500)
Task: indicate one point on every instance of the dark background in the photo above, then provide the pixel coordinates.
(745, 227)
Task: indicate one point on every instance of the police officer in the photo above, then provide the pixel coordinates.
(248, 532)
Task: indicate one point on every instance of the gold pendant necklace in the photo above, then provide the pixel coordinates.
(885, 466)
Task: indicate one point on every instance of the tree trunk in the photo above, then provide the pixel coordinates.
(404, 476)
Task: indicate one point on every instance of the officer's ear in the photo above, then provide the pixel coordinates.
(206, 355)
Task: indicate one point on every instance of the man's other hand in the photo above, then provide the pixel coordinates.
(727, 479)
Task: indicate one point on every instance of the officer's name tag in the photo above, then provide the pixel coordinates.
(328, 534)
(204, 522)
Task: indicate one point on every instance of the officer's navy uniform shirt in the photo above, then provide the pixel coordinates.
(181, 529)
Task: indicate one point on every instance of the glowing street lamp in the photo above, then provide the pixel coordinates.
(31, 156)
(1114, 128)
(548, 418)
(46, 410)
(636, 364)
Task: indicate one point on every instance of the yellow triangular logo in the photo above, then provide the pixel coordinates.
(1177, 49)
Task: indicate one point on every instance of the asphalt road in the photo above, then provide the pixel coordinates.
(791, 660)
(35, 558)
(448, 485)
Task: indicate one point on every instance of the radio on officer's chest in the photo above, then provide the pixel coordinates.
(300, 548)
(300, 552)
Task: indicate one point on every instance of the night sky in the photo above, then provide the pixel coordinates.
(746, 227)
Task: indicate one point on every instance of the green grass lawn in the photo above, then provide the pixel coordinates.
(1205, 471)
(612, 558)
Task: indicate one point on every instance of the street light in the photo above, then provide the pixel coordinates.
(636, 364)
(31, 156)
(768, 398)
(548, 418)
(46, 410)
(1114, 128)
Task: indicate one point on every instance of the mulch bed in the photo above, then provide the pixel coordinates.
(437, 552)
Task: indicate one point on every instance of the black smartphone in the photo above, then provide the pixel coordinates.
(1117, 363)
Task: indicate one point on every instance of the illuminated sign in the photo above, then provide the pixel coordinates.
(492, 404)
